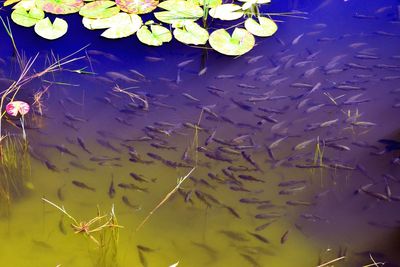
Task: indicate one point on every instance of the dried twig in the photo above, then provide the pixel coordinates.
(180, 181)
(332, 261)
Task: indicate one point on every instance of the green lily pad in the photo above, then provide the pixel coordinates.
(27, 19)
(25, 4)
(96, 24)
(265, 27)
(51, 31)
(156, 37)
(10, 2)
(60, 6)
(137, 6)
(210, 3)
(226, 12)
(178, 11)
(99, 10)
(191, 33)
(170, 17)
(238, 44)
(124, 28)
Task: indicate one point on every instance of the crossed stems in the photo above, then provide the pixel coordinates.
(132, 96)
(85, 227)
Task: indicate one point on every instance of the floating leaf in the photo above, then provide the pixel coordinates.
(27, 19)
(60, 6)
(26, 4)
(10, 2)
(226, 12)
(210, 3)
(137, 6)
(265, 27)
(119, 26)
(51, 31)
(156, 37)
(99, 10)
(191, 33)
(238, 44)
(124, 28)
(96, 24)
(249, 3)
(178, 12)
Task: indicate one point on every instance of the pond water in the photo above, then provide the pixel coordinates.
(289, 154)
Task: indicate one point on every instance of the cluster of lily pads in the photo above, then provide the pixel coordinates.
(120, 18)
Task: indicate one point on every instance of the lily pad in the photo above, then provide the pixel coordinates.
(191, 33)
(226, 12)
(10, 2)
(265, 27)
(124, 28)
(238, 44)
(99, 10)
(178, 12)
(156, 36)
(51, 31)
(96, 24)
(137, 6)
(26, 4)
(27, 19)
(210, 3)
(60, 6)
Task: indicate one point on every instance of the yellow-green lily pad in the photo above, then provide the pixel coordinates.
(27, 19)
(226, 12)
(238, 44)
(124, 28)
(10, 2)
(26, 4)
(99, 10)
(96, 24)
(191, 33)
(178, 11)
(266, 27)
(60, 6)
(170, 17)
(156, 36)
(51, 31)
(137, 6)
(210, 3)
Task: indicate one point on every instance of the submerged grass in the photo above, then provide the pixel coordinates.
(181, 180)
(15, 170)
(102, 229)
(55, 64)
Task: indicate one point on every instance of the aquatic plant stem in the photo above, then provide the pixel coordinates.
(180, 181)
(195, 144)
(62, 209)
(7, 27)
(23, 128)
(332, 261)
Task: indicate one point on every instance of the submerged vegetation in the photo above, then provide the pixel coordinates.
(103, 230)
(122, 18)
(14, 171)
(14, 151)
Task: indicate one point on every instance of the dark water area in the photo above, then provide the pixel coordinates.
(295, 160)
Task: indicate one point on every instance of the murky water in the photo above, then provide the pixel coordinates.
(330, 82)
